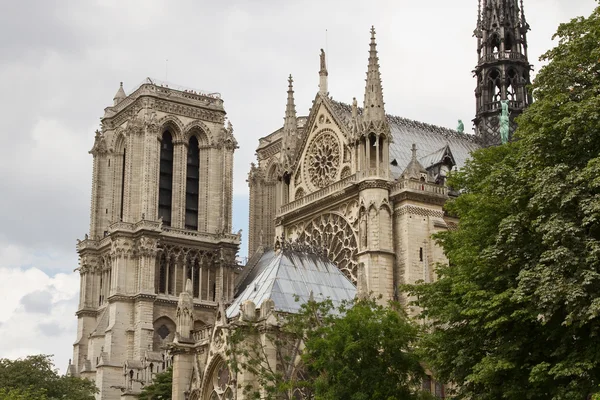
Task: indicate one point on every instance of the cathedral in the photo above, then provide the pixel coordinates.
(343, 201)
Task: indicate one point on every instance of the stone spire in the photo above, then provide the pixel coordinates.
(120, 95)
(290, 128)
(323, 74)
(503, 69)
(373, 105)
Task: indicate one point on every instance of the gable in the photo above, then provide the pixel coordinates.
(324, 156)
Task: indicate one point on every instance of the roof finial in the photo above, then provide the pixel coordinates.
(120, 95)
(373, 105)
(323, 74)
(414, 151)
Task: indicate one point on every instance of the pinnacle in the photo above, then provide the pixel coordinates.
(373, 103)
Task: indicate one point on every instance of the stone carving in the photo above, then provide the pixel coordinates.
(336, 236)
(322, 162)
(100, 146)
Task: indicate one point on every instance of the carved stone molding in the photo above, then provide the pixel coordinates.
(374, 184)
(420, 211)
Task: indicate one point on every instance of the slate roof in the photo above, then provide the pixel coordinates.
(428, 138)
(283, 275)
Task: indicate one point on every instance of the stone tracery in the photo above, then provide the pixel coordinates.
(335, 235)
(323, 160)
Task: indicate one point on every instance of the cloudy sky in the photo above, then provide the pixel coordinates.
(61, 63)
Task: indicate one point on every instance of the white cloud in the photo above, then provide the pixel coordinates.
(26, 329)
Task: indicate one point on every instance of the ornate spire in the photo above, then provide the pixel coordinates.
(373, 105)
(323, 74)
(289, 127)
(120, 95)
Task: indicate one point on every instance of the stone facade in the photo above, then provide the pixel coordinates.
(360, 187)
(367, 187)
(160, 214)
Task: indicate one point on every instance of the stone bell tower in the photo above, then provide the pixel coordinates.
(160, 217)
(502, 70)
(371, 138)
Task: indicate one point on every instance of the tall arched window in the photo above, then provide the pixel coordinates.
(122, 183)
(165, 185)
(162, 275)
(192, 184)
(494, 86)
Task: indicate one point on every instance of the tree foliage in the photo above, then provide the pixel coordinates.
(161, 387)
(357, 351)
(35, 377)
(516, 311)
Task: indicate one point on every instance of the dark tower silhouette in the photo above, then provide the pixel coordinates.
(503, 70)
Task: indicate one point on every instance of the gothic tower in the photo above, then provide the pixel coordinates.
(502, 70)
(160, 217)
(372, 137)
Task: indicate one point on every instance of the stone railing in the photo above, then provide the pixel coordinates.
(202, 333)
(134, 227)
(318, 195)
(417, 186)
(502, 55)
(495, 105)
(154, 88)
(185, 233)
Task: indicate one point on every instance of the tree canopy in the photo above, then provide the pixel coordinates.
(357, 351)
(516, 311)
(35, 377)
(161, 387)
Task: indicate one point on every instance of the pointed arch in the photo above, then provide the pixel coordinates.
(172, 124)
(200, 130)
(385, 226)
(119, 141)
(217, 376)
(192, 184)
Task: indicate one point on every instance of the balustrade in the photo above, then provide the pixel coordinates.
(418, 186)
(502, 55)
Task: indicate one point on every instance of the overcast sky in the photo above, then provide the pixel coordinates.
(61, 63)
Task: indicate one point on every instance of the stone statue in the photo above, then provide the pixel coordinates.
(504, 122)
(363, 231)
(323, 67)
(461, 127)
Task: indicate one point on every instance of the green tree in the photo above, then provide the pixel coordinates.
(357, 351)
(516, 312)
(35, 377)
(161, 388)
(18, 394)
(365, 354)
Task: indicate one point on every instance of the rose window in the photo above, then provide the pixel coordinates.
(222, 387)
(323, 160)
(334, 234)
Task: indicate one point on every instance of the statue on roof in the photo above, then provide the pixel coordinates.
(504, 122)
(323, 66)
(461, 127)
